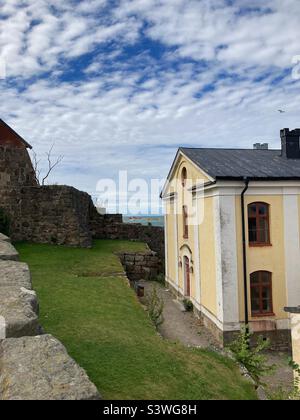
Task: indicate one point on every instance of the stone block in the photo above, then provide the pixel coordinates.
(15, 274)
(39, 368)
(4, 238)
(8, 252)
(18, 312)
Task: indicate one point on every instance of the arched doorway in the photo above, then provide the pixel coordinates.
(187, 280)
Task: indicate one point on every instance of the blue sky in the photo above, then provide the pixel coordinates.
(121, 84)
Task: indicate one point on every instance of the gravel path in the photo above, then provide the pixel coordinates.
(179, 325)
(186, 328)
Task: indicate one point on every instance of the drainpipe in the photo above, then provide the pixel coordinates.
(245, 251)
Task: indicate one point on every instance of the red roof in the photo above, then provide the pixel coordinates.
(8, 137)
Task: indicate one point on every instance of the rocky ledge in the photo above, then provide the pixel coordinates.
(32, 366)
(7, 251)
(39, 368)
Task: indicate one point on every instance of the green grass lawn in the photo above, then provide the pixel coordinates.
(105, 329)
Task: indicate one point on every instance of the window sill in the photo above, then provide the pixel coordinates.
(259, 245)
(266, 315)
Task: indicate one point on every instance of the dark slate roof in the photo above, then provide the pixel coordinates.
(241, 163)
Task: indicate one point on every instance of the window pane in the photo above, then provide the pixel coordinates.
(266, 277)
(263, 231)
(266, 305)
(263, 210)
(266, 293)
(252, 210)
(255, 292)
(252, 230)
(254, 278)
(255, 305)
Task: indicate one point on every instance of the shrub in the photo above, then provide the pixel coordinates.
(252, 358)
(155, 308)
(188, 305)
(4, 223)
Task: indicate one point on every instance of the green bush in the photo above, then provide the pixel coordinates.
(4, 223)
(251, 357)
(155, 308)
(188, 305)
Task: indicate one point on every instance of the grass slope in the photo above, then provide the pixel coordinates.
(105, 329)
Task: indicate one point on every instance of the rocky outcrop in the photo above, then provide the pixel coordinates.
(32, 366)
(39, 368)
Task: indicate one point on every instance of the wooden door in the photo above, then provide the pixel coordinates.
(187, 277)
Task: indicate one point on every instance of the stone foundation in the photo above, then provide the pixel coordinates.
(280, 339)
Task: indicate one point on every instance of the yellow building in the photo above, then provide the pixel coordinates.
(233, 238)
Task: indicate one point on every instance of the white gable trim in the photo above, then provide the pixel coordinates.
(180, 154)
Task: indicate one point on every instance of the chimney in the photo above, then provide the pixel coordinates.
(290, 143)
(261, 146)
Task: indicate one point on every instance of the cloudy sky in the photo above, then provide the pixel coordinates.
(120, 84)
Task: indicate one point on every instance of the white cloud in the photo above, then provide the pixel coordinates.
(212, 83)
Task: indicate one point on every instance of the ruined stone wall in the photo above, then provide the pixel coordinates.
(59, 214)
(111, 227)
(15, 168)
(41, 214)
(140, 265)
(48, 214)
(54, 214)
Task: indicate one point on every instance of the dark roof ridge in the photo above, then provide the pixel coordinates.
(230, 148)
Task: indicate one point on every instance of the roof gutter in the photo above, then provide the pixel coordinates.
(245, 251)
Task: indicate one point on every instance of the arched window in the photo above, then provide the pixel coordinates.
(183, 177)
(261, 293)
(259, 224)
(185, 222)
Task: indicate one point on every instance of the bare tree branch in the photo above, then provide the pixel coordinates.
(36, 168)
(51, 165)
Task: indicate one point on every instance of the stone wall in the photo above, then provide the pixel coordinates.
(59, 214)
(140, 265)
(41, 214)
(15, 168)
(111, 227)
(32, 366)
(51, 214)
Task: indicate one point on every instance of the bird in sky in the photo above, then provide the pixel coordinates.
(281, 111)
